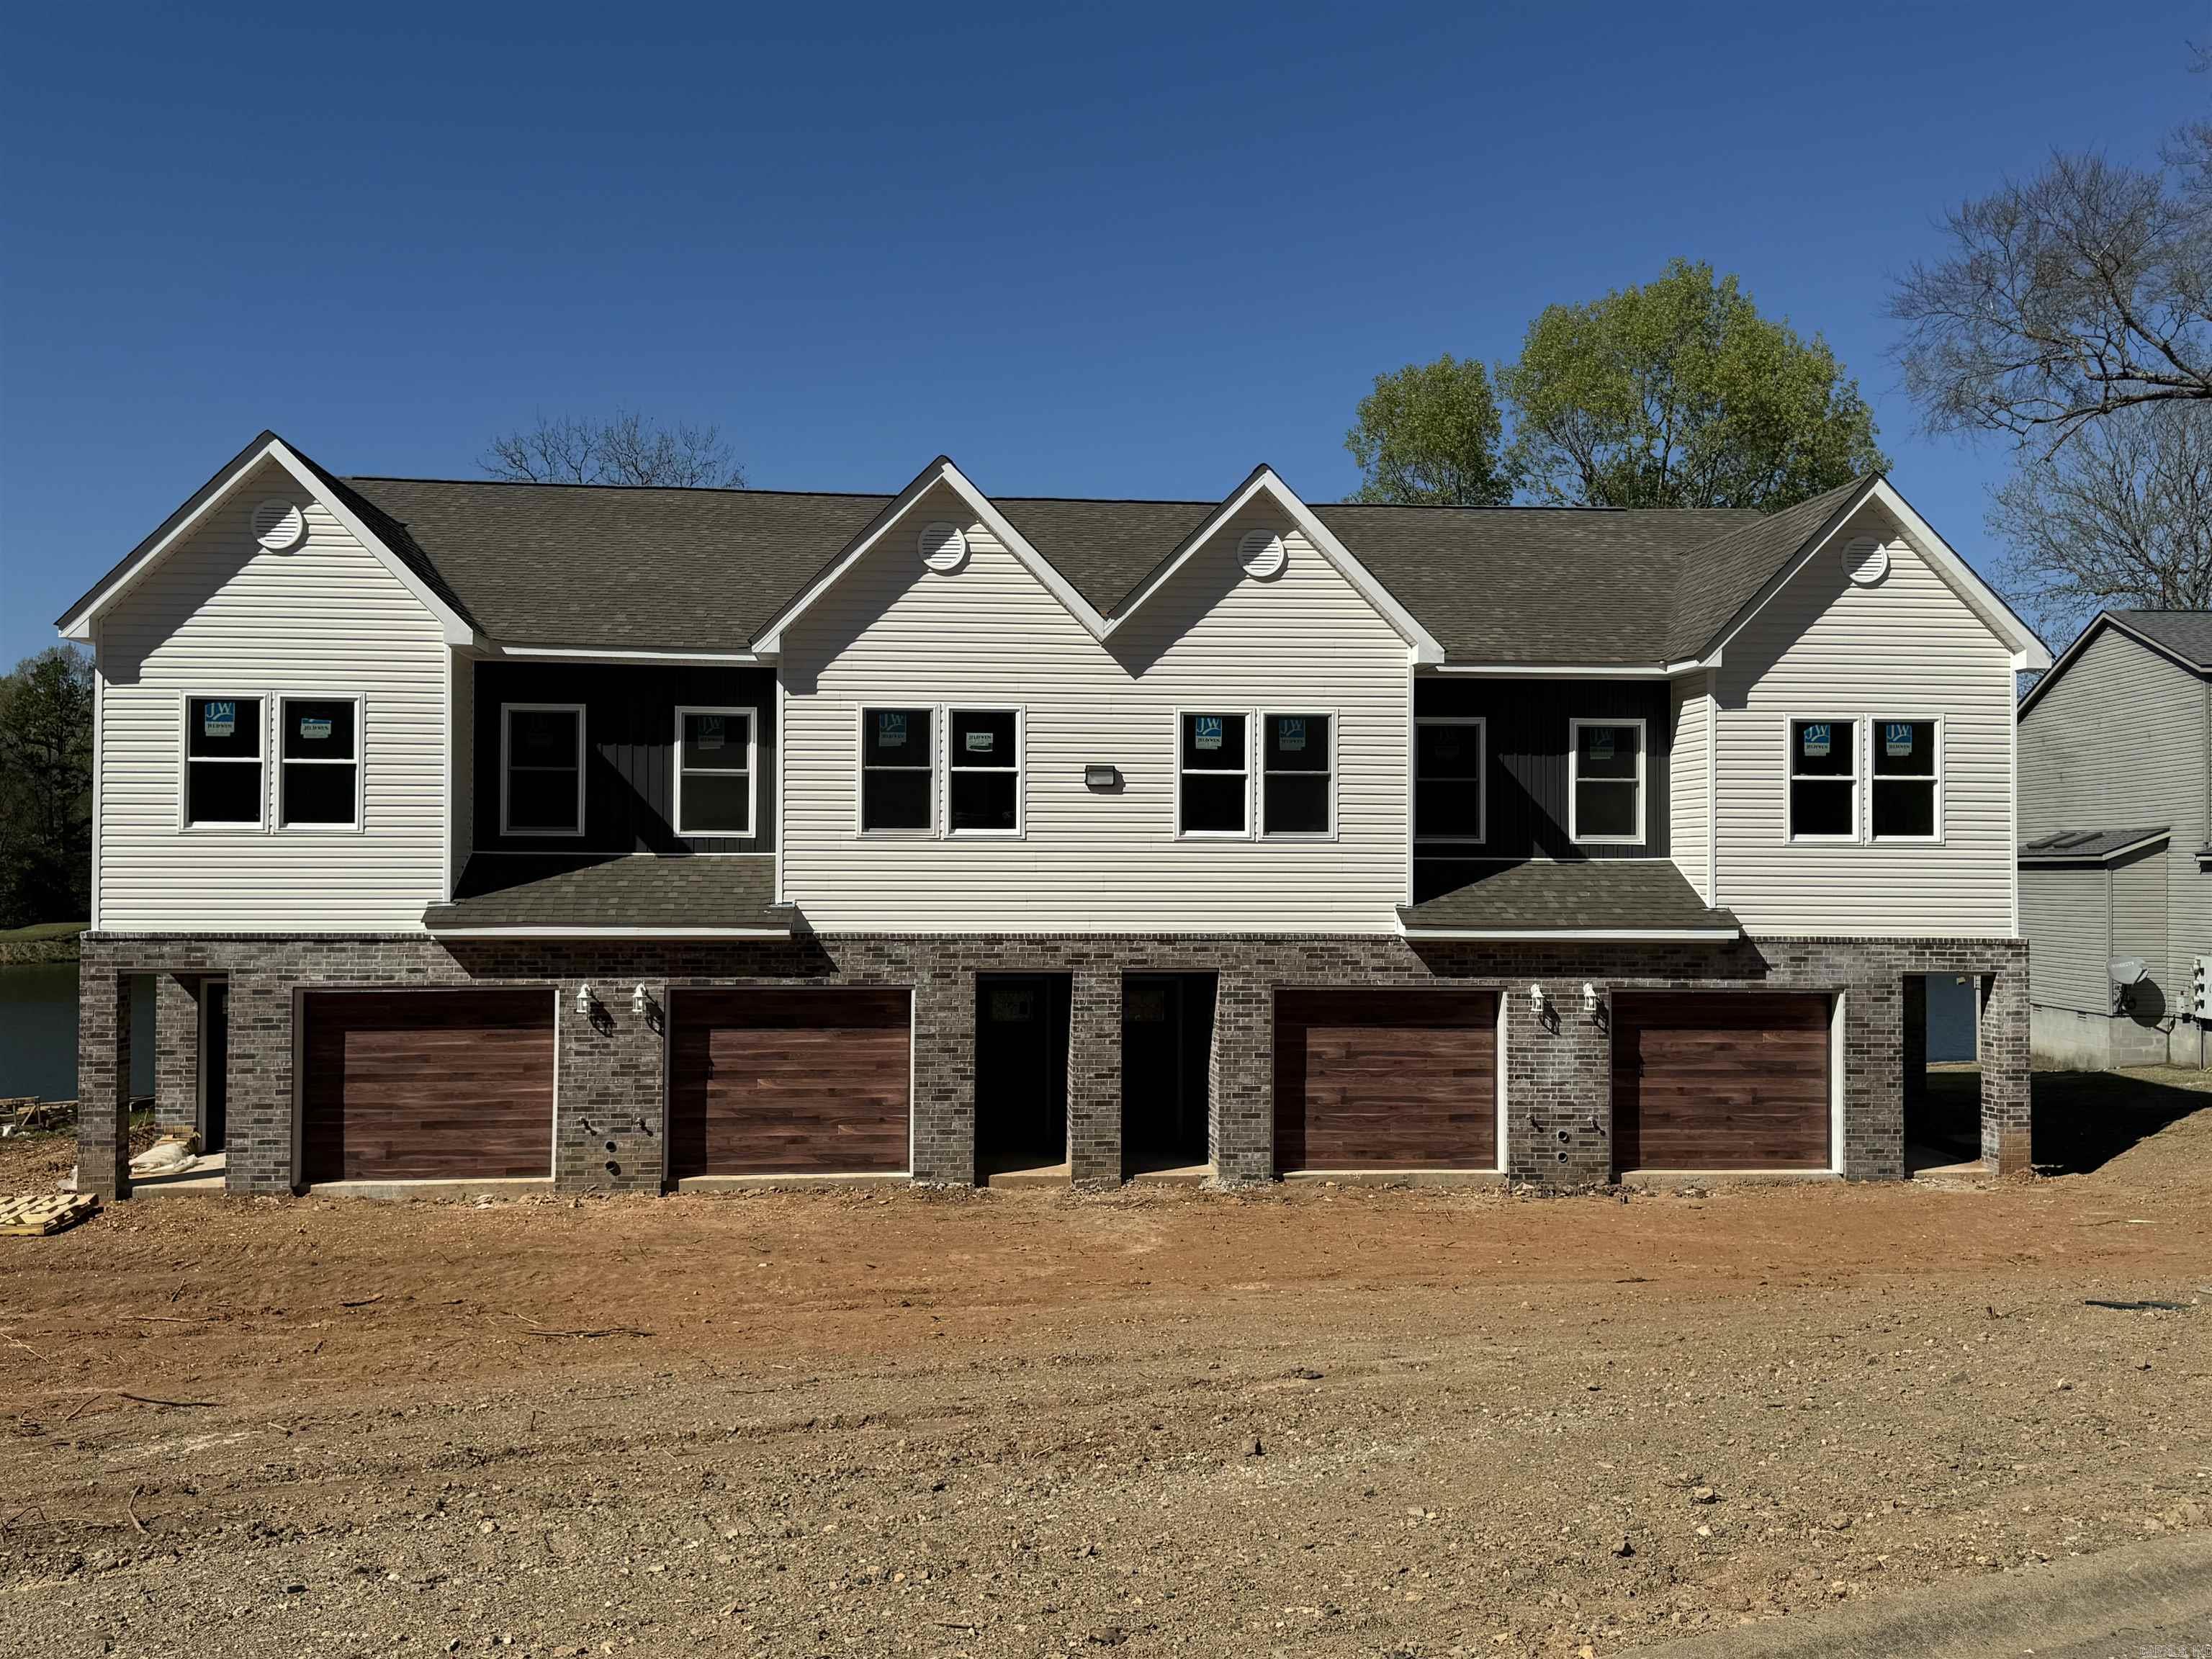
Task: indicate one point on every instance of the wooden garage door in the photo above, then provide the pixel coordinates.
(1403, 1079)
(788, 1082)
(1704, 1081)
(417, 1085)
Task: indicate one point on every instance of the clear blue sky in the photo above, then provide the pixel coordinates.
(1126, 250)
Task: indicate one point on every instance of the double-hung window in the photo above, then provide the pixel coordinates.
(1824, 779)
(715, 771)
(1448, 759)
(898, 770)
(983, 772)
(1907, 782)
(1212, 776)
(541, 769)
(1296, 775)
(1605, 780)
(319, 754)
(223, 763)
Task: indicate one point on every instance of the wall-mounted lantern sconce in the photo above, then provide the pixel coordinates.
(1536, 1000)
(639, 1002)
(1589, 1000)
(1102, 777)
(585, 1001)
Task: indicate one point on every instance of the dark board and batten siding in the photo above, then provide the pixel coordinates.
(630, 751)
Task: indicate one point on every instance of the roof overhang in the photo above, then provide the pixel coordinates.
(2103, 620)
(2059, 855)
(582, 932)
(78, 622)
(1588, 671)
(596, 653)
(1582, 935)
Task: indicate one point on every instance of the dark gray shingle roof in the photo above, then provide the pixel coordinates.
(2186, 634)
(1547, 895)
(2087, 845)
(636, 890)
(1727, 574)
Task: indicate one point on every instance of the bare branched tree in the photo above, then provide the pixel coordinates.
(627, 449)
(2120, 518)
(2082, 291)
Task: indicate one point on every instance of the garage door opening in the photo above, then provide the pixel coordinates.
(1167, 1042)
(770, 1080)
(1386, 1079)
(1721, 1080)
(426, 1086)
(1021, 1074)
(1942, 1071)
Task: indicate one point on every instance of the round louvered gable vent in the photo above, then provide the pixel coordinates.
(1865, 561)
(944, 546)
(1262, 554)
(278, 526)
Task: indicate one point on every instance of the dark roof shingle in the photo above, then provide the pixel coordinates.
(2087, 845)
(1545, 896)
(2186, 634)
(637, 891)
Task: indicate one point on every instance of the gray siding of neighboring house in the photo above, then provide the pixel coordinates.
(2119, 742)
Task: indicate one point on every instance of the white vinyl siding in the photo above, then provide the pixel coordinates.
(893, 635)
(460, 776)
(1905, 648)
(221, 616)
(1689, 819)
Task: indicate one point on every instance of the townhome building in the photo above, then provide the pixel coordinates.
(620, 839)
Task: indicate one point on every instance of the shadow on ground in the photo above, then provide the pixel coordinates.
(2084, 1120)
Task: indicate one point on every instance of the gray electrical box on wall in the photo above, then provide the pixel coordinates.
(2200, 990)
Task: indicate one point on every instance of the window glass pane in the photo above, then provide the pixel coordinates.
(896, 736)
(983, 738)
(1821, 748)
(1447, 809)
(1605, 807)
(983, 800)
(1607, 752)
(715, 742)
(216, 791)
(1820, 808)
(1296, 743)
(222, 726)
(1212, 803)
(318, 729)
(1905, 749)
(318, 794)
(542, 800)
(894, 799)
(1298, 804)
(717, 804)
(1213, 743)
(542, 736)
(1904, 809)
(1447, 752)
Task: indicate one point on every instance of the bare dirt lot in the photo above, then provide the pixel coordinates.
(1302, 1421)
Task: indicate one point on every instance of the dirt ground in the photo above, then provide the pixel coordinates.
(1306, 1420)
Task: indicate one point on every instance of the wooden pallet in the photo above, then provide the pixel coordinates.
(49, 1212)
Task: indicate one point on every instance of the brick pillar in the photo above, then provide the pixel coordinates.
(1559, 1086)
(608, 1119)
(1094, 1077)
(259, 1137)
(945, 1076)
(2007, 1116)
(1874, 1078)
(176, 1052)
(1241, 1080)
(103, 1078)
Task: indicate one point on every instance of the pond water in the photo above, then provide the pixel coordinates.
(38, 1032)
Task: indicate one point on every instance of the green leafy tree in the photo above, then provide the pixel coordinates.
(1679, 393)
(1428, 436)
(45, 789)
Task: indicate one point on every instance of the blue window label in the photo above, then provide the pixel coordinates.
(1897, 738)
(890, 728)
(708, 732)
(218, 719)
(1290, 733)
(978, 742)
(1601, 743)
(314, 728)
(1209, 731)
(1816, 740)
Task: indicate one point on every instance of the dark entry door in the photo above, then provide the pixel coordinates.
(215, 1064)
(1021, 1070)
(1167, 1021)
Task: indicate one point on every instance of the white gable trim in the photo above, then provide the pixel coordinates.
(770, 641)
(2028, 653)
(1424, 647)
(78, 623)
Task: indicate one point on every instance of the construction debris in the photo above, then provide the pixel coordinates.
(48, 1212)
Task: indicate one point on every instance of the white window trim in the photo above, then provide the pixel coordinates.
(506, 767)
(752, 773)
(1175, 760)
(1643, 835)
(259, 825)
(1874, 722)
(1260, 774)
(1020, 769)
(1481, 724)
(1790, 723)
(925, 832)
(359, 762)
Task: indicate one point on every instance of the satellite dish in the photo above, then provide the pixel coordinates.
(2127, 970)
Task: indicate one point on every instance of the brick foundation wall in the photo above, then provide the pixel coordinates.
(613, 1063)
(176, 1052)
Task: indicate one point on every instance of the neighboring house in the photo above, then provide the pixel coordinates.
(618, 838)
(2115, 774)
